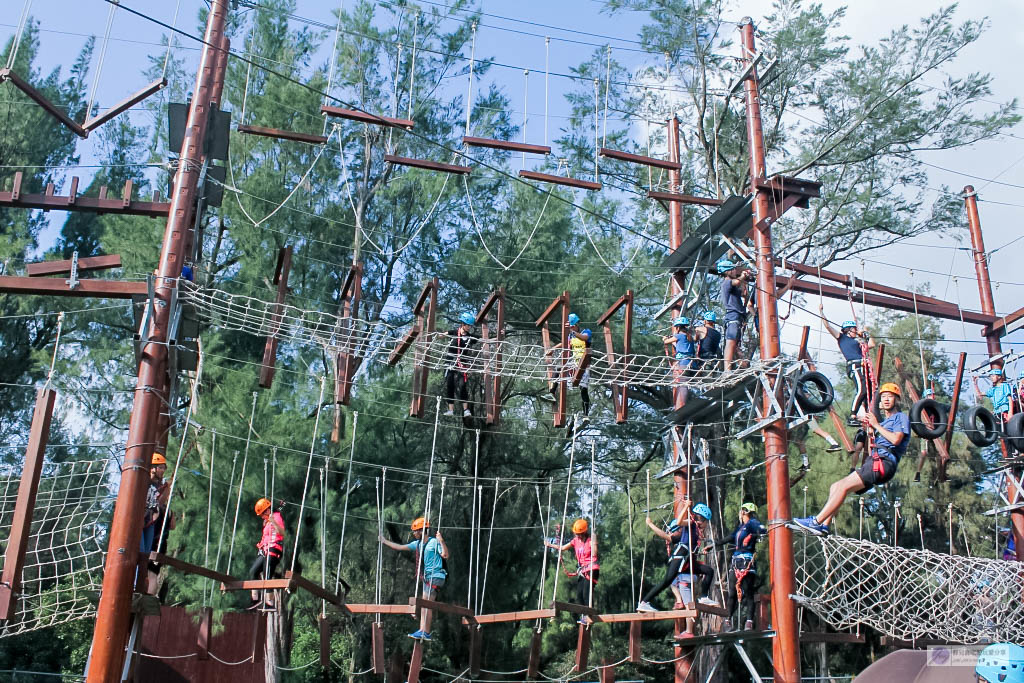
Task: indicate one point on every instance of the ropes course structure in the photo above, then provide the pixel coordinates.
(910, 594)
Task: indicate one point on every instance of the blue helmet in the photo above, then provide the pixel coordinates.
(467, 319)
(1001, 663)
(681, 321)
(585, 332)
(724, 266)
(996, 372)
(710, 316)
(847, 324)
(574, 319)
(702, 510)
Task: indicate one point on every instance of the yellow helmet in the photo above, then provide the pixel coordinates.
(891, 388)
(262, 505)
(580, 526)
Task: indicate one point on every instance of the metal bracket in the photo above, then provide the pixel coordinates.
(745, 74)
(1007, 477)
(73, 280)
(777, 412)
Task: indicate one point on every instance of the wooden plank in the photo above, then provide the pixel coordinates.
(315, 589)
(279, 134)
(427, 164)
(63, 267)
(637, 617)
(505, 145)
(284, 266)
(640, 159)
(205, 630)
(574, 608)
(415, 662)
(474, 650)
(370, 608)
(712, 609)
(582, 648)
(560, 180)
(533, 662)
(190, 568)
(811, 637)
(577, 375)
(684, 198)
(40, 99)
(124, 105)
(377, 639)
(21, 525)
(325, 642)
(258, 584)
(503, 617)
(635, 640)
(423, 603)
(53, 202)
(366, 117)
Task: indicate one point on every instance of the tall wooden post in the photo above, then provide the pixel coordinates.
(111, 629)
(786, 645)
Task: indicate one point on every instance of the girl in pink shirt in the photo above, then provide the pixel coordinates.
(271, 546)
(585, 547)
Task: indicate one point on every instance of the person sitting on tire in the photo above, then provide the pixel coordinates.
(852, 345)
(891, 438)
(1000, 392)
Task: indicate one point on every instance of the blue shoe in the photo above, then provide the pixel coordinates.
(417, 635)
(811, 524)
(425, 636)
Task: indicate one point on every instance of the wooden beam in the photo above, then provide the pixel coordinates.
(315, 589)
(582, 648)
(377, 640)
(40, 99)
(426, 320)
(423, 603)
(190, 568)
(506, 145)
(574, 608)
(205, 631)
(1000, 325)
(366, 117)
(105, 289)
(635, 640)
(633, 617)
(640, 159)
(533, 661)
(279, 134)
(258, 585)
(124, 105)
(684, 198)
(606, 673)
(954, 406)
(325, 642)
(403, 345)
(370, 608)
(21, 525)
(428, 165)
(63, 267)
(48, 201)
(284, 266)
(857, 282)
(577, 375)
(474, 650)
(415, 662)
(560, 180)
(712, 609)
(504, 617)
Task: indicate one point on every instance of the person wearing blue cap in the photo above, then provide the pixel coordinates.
(1000, 392)
(1000, 663)
(579, 342)
(681, 344)
(734, 299)
(708, 339)
(683, 556)
(852, 344)
(457, 360)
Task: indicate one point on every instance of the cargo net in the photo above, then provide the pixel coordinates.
(63, 565)
(911, 594)
(508, 358)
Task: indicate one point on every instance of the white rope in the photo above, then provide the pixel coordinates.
(174, 475)
(114, 4)
(241, 483)
(18, 33)
(920, 340)
(209, 508)
(412, 65)
(309, 467)
(171, 37)
(545, 518)
(526, 107)
(479, 232)
(472, 523)
(248, 73)
(565, 512)
(597, 118)
(334, 61)
(590, 238)
(632, 563)
(469, 90)
(348, 489)
(593, 520)
(490, 538)
(421, 550)
(224, 517)
(547, 73)
(56, 348)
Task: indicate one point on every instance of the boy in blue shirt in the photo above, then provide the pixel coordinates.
(733, 297)
(892, 436)
(432, 553)
(1000, 392)
(852, 348)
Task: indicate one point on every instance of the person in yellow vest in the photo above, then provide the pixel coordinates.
(579, 342)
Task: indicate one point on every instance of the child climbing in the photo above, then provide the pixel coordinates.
(457, 361)
(680, 345)
(800, 434)
(683, 556)
(579, 342)
(742, 569)
(734, 299)
(852, 344)
(708, 339)
(588, 570)
(432, 556)
(891, 438)
(1001, 393)
(271, 547)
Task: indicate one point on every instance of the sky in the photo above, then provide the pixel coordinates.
(513, 34)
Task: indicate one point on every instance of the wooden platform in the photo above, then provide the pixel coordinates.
(506, 617)
(640, 159)
(371, 608)
(628, 617)
(506, 145)
(560, 180)
(190, 568)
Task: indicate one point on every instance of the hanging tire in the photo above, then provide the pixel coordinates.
(1015, 432)
(814, 392)
(979, 425)
(935, 411)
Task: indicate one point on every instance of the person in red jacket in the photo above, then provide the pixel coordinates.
(271, 546)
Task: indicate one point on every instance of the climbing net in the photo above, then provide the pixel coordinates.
(911, 594)
(508, 358)
(63, 565)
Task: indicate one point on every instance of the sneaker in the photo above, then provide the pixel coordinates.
(646, 607)
(852, 421)
(424, 636)
(708, 601)
(811, 524)
(449, 413)
(683, 635)
(584, 421)
(748, 625)
(417, 635)
(833, 448)
(727, 626)
(467, 413)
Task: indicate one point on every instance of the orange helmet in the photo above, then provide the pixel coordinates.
(891, 388)
(158, 459)
(262, 505)
(419, 523)
(580, 526)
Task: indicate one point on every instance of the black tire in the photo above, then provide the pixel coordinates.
(818, 400)
(979, 425)
(935, 411)
(1015, 432)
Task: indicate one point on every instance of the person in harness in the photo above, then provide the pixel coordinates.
(742, 569)
(433, 554)
(456, 360)
(271, 547)
(587, 569)
(682, 558)
(680, 345)
(579, 342)
(736, 302)
(852, 344)
(708, 339)
(1001, 393)
(891, 438)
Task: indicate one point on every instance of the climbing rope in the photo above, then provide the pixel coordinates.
(241, 483)
(309, 468)
(348, 490)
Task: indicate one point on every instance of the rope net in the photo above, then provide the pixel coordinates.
(911, 594)
(63, 565)
(508, 358)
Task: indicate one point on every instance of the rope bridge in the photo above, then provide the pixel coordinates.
(910, 594)
(511, 359)
(63, 567)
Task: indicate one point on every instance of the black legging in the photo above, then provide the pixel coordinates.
(585, 399)
(261, 562)
(676, 566)
(860, 398)
(748, 586)
(455, 383)
(583, 588)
